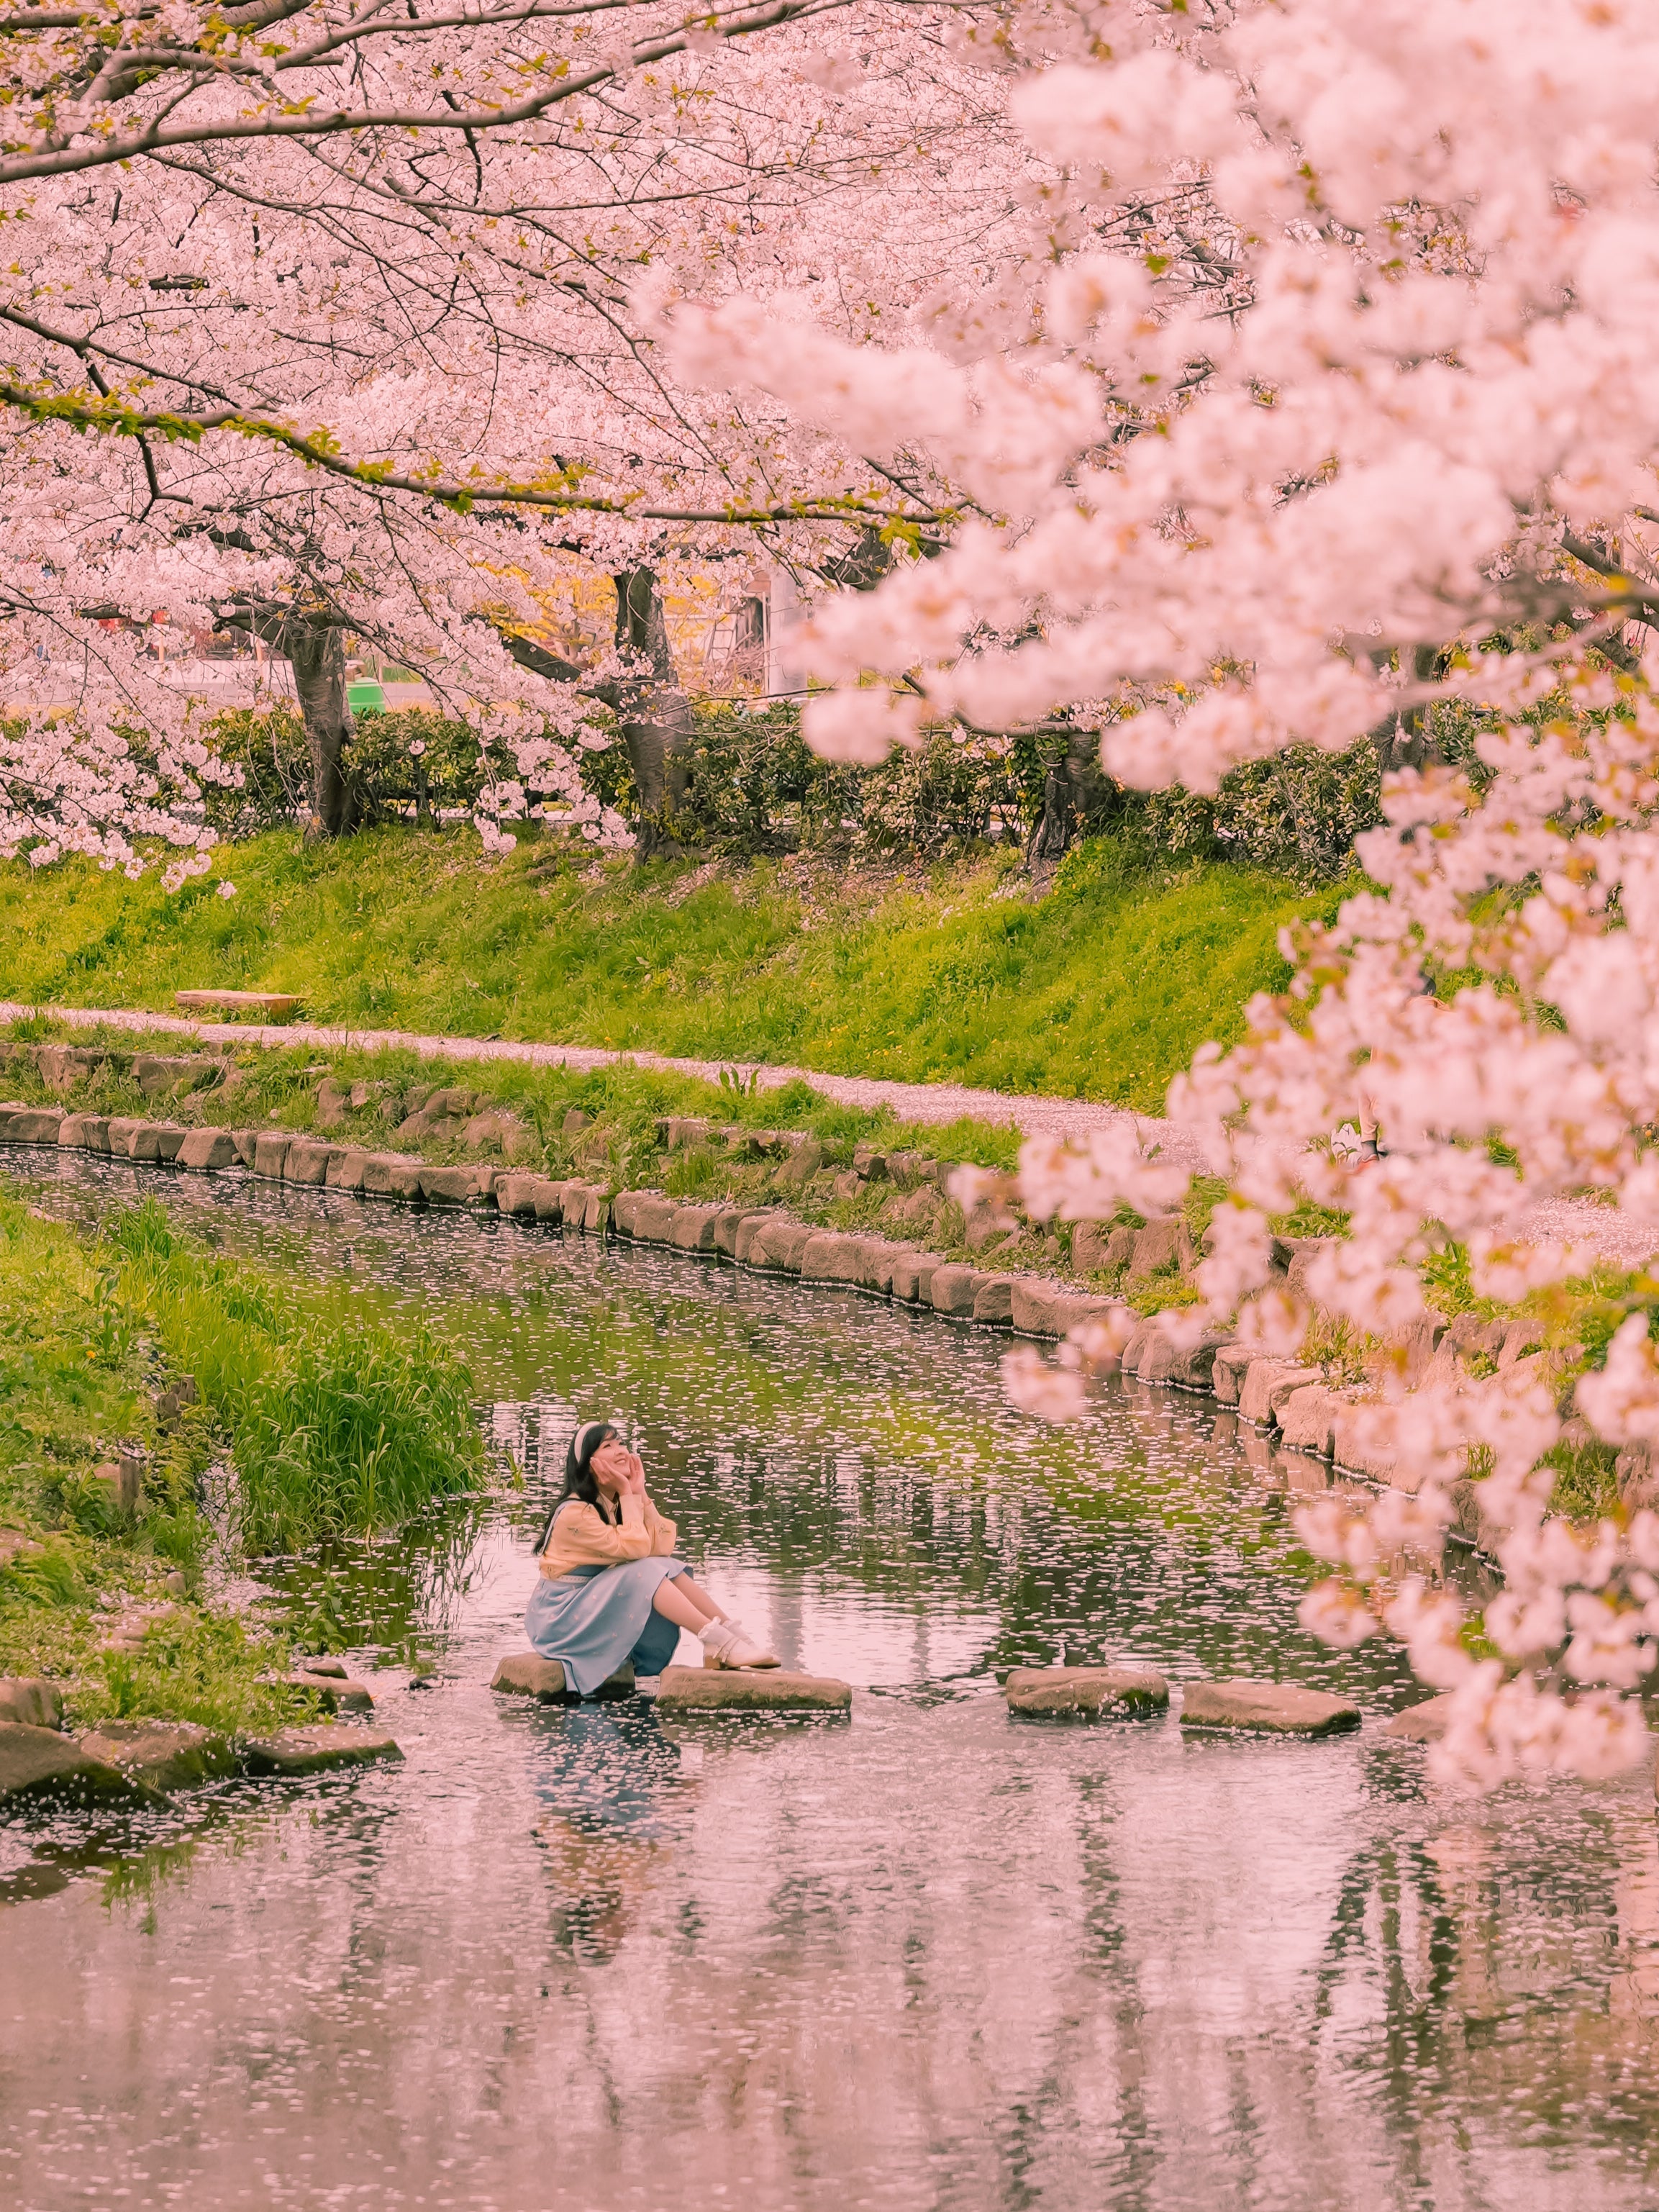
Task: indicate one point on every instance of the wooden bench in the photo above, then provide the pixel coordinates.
(265, 1006)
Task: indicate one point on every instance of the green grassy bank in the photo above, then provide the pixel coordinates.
(330, 1424)
(1100, 988)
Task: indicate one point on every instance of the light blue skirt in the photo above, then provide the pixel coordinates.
(591, 1619)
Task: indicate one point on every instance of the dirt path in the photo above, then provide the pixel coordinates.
(928, 1103)
(1598, 1229)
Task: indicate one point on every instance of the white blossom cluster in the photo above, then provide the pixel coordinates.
(1328, 406)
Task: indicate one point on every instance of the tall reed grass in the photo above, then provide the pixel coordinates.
(337, 1425)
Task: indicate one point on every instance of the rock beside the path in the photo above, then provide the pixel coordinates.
(778, 1245)
(1040, 1308)
(1267, 1384)
(345, 1168)
(31, 1700)
(209, 1149)
(463, 1186)
(1424, 1723)
(749, 1690)
(1087, 1693)
(912, 1276)
(38, 1762)
(517, 1193)
(269, 1005)
(528, 1675)
(1228, 1370)
(30, 1125)
(124, 1478)
(164, 1755)
(729, 1228)
(1164, 1242)
(317, 1748)
(1267, 1708)
(693, 1228)
(1307, 1420)
(994, 1301)
(391, 1175)
(307, 1160)
(955, 1288)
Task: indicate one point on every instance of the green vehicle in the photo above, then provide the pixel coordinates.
(365, 697)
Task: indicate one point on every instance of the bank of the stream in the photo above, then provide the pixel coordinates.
(1101, 988)
(164, 1415)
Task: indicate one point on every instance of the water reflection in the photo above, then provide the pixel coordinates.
(576, 1958)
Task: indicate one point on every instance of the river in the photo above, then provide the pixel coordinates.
(928, 1960)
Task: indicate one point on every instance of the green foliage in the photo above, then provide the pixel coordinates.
(337, 1424)
(396, 759)
(1102, 988)
(194, 1667)
(1297, 814)
(1586, 1486)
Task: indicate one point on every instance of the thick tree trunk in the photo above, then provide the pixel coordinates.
(655, 718)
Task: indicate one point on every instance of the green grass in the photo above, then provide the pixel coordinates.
(337, 1425)
(1100, 989)
(332, 1423)
(78, 1375)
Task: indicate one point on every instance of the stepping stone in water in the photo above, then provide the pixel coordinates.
(1085, 1693)
(749, 1690)
(1266, 1709)
(529, 1675)
(1424, 1723)
(336, 1694)
(316, 1749)
(164, 1755)
(37, 1762)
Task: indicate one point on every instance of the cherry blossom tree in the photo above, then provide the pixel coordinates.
(1324, 409)
(321, 323)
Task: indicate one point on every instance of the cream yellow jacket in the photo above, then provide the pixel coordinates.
(582, 1537)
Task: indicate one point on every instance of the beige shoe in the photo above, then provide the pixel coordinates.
(728, 1644)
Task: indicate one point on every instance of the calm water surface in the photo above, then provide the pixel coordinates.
(930, 1960)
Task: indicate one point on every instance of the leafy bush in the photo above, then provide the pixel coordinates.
(1297, 814)
(390, 775)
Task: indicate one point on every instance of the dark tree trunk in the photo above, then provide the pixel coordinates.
(1073, 791)
(317, 656)
(656, 721)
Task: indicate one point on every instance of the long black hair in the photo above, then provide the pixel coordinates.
(580, 1481)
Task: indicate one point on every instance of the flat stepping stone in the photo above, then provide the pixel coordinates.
(528, 1675)
(1266, 1709)
(37, 1762)
(1085, 1693)
(1424, 1723)
(336, 1694)
(273, 1005)
(164, 1755)
(318, 1749)
(749, 1690)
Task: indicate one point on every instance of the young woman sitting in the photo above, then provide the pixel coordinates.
(610, 1589)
